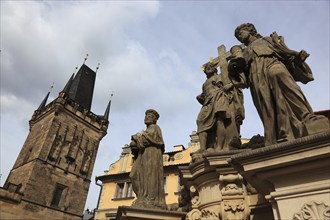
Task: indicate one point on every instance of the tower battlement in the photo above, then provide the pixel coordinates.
(64, 103)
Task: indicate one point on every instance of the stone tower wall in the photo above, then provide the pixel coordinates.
(60, 151)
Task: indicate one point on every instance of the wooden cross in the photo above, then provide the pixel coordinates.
(222, 62)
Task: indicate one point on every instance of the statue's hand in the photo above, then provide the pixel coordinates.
(236, 66)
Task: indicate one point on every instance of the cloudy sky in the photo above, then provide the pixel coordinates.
(150, 54)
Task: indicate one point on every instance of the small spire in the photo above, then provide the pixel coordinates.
(85, 58)
(51, 88)
(98, 66)
(67, 87)
(107, 111)
(44, 101)
(68, 84)
(75, 70)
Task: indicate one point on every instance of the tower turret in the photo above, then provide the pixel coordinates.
(43, 103)
(107, 110)
(67, 86)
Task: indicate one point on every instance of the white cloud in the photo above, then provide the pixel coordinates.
(50, 38)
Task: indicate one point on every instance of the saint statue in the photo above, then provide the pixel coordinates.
(147, 173)
(271, 70)
(222, 112)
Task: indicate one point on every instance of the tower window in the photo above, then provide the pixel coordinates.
(57, 195)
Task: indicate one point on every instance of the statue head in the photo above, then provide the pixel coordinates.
(210, 69)
(151, 117)
(246, 27)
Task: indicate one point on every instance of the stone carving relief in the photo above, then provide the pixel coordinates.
(166, 157)
(86, 162)
(313, 210)
(178, 156)
(235, 209)
(55, 150)
(207, 214)
(194, 214)
(57, 145)
(231, 184)
(194, 197)
(71, 156)
(87, 156)
(233, 191)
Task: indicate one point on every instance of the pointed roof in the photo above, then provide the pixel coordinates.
(68, 85)
(43, 103)
(81, 87)
(107, 111)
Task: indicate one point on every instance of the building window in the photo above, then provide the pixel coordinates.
(119, 190)
(57, 195)
(124, 190)
(129, 190)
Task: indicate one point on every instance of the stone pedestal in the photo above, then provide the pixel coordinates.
(293, 176)
(131, 213)
(218, 191)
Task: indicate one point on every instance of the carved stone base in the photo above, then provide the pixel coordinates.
(294, 176)
(218, 191)
(130, 213)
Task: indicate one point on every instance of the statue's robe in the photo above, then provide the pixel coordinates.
(272, 71)
(147, 173)
(218, 104)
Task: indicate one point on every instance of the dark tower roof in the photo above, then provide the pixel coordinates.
(82, 87)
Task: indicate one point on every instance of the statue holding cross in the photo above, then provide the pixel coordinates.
(222, 112)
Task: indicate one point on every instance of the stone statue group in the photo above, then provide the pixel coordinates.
(270, 70)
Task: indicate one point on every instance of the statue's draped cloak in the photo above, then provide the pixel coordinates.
(147, 171)
(218, 103)
(278, 99)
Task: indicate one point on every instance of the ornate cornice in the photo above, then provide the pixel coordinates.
(312, 141)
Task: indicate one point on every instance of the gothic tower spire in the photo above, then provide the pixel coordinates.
(68, 85)
(107, 111)
(44, 101)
